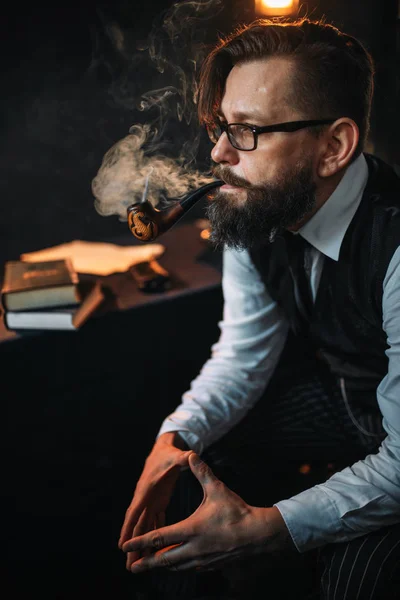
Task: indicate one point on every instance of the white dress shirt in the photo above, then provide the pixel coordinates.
(358, 499)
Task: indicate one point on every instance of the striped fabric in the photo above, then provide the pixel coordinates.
(367, 568)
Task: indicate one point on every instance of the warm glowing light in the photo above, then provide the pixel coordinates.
(205, 234)
(277, 3)
(276, 8)
(305, 469)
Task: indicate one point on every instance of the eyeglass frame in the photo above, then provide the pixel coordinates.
(287, 127)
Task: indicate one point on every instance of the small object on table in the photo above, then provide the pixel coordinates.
(150, 276)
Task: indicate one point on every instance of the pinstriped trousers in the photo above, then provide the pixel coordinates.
(297, 435)
(365, 568)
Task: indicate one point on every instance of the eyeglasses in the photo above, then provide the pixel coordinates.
(245, 137)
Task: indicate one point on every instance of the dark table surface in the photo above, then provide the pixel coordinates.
(192, 263)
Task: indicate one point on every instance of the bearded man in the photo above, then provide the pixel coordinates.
(307, 367)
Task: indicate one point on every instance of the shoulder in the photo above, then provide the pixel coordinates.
(391, 282)
(238, 267)
(383, 179)
(376, 226)
(237, 258)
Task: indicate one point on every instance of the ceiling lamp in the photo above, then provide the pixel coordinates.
(276, 8)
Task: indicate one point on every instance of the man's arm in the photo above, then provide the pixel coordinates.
(365, 496)
(253, 333)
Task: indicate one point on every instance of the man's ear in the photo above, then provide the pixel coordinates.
(339, 143)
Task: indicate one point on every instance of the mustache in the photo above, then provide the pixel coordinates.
(230, 178)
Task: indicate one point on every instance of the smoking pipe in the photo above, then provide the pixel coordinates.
(147, 223)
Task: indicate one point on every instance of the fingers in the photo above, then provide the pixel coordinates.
(174, 558)
(160, 520)
(201, 470)
(183, 459)
(131, 517)
(166, 558)
(145, 524)
(158, 539)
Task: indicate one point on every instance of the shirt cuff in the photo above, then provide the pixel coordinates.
(311, 518)
(190, 438)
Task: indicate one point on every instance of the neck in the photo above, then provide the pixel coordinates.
(325, 189)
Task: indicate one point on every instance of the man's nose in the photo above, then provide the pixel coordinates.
(224, 152)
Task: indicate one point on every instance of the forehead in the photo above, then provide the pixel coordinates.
(260, 88)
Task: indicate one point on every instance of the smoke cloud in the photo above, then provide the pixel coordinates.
(154, 150)
(126, 168)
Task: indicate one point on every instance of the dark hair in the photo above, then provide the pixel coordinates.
(334, 73)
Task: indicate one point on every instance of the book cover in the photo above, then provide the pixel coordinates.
(60, 318)
(39, 284)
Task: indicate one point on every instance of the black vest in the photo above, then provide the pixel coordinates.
(346, 325)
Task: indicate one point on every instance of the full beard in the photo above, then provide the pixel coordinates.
(266, 211)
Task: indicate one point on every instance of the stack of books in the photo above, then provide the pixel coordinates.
(46, 295)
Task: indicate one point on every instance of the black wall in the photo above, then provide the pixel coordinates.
(68, 94)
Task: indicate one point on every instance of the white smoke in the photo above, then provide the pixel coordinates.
(175, 49)
(125, 169)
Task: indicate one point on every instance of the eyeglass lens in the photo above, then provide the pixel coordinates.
(240, 136)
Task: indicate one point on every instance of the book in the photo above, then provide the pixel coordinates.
(39, 284)
(59, 318)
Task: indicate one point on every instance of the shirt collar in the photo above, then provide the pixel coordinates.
(326, 229)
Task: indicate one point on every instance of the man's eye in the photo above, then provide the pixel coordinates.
(242, 128)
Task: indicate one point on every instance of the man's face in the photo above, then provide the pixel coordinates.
(269, 188)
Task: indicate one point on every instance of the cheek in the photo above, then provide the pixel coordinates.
(256, 172)
(274, 159)
(253, 170)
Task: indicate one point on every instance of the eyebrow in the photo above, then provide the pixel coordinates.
(241, 116)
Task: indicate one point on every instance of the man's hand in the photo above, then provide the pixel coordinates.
(153, 490)
(222, 529)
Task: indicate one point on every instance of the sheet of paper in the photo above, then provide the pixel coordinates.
(98, 258)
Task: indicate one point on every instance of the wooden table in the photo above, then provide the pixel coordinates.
(192, 263)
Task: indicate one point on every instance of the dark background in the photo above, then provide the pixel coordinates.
(81, 411)
(68, 94)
